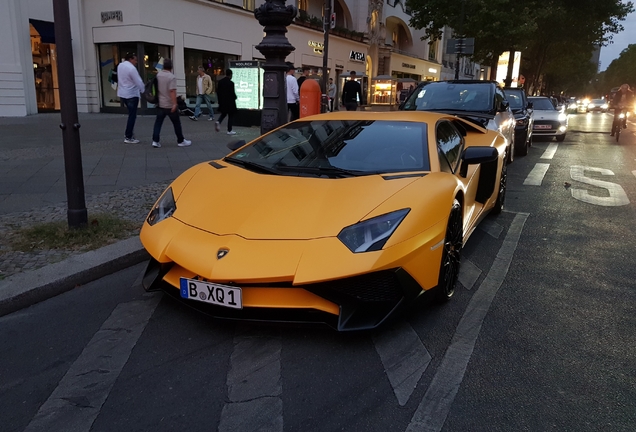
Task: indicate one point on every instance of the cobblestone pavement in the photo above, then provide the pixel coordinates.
(121, 179)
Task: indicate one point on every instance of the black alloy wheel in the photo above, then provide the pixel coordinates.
(451, 256)
(523, 151)
(501, 193)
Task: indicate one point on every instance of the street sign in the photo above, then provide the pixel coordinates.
(460, 46)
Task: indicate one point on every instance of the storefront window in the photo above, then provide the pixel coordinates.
(43, 51)
(215, 65)
(150, 59)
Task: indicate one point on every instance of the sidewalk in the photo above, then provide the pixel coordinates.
(123, 179)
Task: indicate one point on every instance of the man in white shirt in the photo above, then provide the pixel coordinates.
(331, 92)
(129, 87)
(293, 97)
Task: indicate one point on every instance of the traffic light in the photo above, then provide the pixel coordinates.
(332, 22)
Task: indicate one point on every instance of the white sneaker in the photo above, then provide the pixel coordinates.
(217, 126)
(131, 141)
(211, 118)
(156, 144)
(231, 133)
(185, 143)
(192, 118)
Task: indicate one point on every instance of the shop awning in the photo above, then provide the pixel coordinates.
(46, 30)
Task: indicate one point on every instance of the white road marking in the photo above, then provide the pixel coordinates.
(468, 274)
(404, 358)
(617, 196)
(550, 151)
(78, 398)
(434, 408)
(491, 227)
(535, 178)
(254, 384)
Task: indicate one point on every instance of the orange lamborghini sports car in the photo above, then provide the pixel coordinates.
(341, 218)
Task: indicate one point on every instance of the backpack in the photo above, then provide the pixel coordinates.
(151, 92)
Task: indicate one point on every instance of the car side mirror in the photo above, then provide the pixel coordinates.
(236, 144)
(477, 155)
(529, 105)
(504, 105)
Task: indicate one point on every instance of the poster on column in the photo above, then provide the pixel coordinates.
(502, 68)
(248, 83)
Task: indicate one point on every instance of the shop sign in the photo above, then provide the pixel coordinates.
(357, 56)
(339, 66)
(248, 79)
(408, 66)
(317, 46)
(112, 15)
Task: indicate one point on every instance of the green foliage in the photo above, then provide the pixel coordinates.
(622, 70)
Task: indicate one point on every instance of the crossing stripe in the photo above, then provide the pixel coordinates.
(78, 398)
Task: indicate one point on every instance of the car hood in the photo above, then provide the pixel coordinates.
(546, 115)
(232, 200)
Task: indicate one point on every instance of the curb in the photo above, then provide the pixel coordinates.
(25, 289)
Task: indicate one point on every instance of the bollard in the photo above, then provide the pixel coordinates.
(310, 95)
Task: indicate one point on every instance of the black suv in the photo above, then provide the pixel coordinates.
(522, 110)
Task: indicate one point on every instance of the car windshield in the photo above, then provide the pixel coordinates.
(455, 96)
(515, 98)
(542, 103)
(338, 148)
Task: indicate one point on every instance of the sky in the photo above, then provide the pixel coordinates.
(620, 42)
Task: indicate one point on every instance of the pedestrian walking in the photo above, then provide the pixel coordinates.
(351, 93)
(204, 93)
(293, 96)
(167, 89)
(331, 92)
(227, 102)
(129, 87)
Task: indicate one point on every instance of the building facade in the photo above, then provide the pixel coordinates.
(371, 37)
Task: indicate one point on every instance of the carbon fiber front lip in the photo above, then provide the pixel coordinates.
(356, 311)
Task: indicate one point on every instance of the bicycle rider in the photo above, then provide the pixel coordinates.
(623, 99)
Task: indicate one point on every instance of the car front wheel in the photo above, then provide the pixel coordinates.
(451, 256)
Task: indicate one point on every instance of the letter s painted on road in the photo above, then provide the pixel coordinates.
(617, 196)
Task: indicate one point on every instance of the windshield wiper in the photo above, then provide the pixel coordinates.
(340, 172)
(252, 166)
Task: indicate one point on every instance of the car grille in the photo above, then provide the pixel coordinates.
(373, 287)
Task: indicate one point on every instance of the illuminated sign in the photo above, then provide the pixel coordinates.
(432, 70)
(357, 56)
(248, 79)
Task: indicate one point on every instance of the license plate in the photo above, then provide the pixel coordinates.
(207, 292)
(540, 126)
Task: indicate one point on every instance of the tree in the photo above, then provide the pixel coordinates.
(622, 70)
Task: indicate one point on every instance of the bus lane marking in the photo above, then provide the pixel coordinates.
(433, 410)
(550, 151)
(617, 196)
(535, 178)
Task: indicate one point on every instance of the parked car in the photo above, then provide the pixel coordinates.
(343, 218)
(548, 121)
(482, 102)
(597, 105)
(522, 110)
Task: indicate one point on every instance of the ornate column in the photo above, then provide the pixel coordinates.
(274, 16)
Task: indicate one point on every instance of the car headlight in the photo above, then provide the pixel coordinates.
(563, 117)
(372, 234)
(604, 106)
(591, 105)
(572, 106)
(163, 209)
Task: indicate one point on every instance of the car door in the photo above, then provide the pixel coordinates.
(450, 145)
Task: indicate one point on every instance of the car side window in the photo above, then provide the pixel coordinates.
(449, 146)
(499, 98)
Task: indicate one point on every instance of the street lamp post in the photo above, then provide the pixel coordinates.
(76, 213)
(274, 16)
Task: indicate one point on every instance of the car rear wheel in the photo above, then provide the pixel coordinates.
(451, 256)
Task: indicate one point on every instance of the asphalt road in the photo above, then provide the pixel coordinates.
(539, 336)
